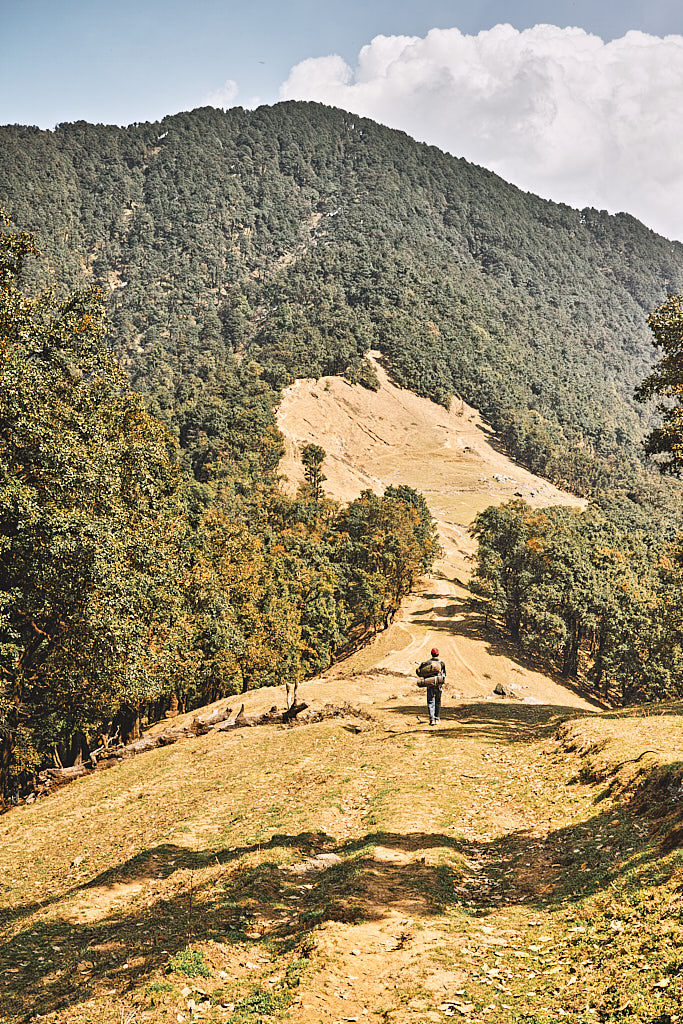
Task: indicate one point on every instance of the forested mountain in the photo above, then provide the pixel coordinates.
(244, 248)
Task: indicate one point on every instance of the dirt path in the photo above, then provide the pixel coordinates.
(452, 840)
(473, 797)
(458, 805)
(477, 658)
(472, 861)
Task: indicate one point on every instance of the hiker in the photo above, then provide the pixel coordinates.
(432, 674)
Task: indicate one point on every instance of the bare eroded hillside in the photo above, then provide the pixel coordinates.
(393, 436)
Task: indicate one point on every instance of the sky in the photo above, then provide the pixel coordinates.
(577, 100)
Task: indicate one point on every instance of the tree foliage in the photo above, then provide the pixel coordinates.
(599, 603)
(87, 478)
(137, 572)
(313, 456)
(666, 381)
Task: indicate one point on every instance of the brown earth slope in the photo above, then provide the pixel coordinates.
(393, 436)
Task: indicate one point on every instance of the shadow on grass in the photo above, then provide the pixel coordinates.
(425, 874)
(493, 721)
(161, 862)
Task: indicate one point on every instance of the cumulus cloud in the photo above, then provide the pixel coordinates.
(557, 111)
(224, 97)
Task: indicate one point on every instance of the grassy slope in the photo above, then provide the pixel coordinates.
(476, 868)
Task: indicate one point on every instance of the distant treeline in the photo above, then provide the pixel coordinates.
(598, 603)
(598, 593)
(138, 573)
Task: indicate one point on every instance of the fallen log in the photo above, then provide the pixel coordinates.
(272, 717)
(200, 726)
(106, 757)
(291, 713)
(52, 779)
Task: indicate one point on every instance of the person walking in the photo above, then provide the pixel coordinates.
(433, 674)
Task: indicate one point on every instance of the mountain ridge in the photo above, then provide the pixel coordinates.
(206, 223)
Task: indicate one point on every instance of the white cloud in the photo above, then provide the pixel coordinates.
(557, 111)
(224, 97)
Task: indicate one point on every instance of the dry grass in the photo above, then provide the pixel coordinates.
(638, 753)
(476, 867)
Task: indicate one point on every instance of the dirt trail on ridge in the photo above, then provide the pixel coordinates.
(469, 811)
(393, 436)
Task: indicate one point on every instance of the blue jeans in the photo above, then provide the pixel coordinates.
(434, 702)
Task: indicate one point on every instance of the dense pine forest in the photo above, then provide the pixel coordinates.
(197, 266)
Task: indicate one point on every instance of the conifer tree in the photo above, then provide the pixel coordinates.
(666, 380)
(313, 456)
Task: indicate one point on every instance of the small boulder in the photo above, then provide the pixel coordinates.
(506, 690)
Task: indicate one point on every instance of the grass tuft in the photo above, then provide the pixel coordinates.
(190, 962)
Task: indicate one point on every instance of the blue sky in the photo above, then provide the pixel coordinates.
(575, 100)
(124, 61)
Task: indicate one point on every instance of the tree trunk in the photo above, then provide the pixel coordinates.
(570, 656)
(128, 723)
(292, 691)
(79, 750)
(513, 622)
(6, 751)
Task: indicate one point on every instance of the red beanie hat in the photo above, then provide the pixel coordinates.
(435, 652)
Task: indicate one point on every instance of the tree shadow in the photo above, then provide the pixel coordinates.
(380, 873)
(160, 862)
(458, 618)
(507, 722)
